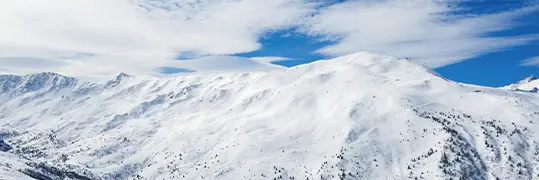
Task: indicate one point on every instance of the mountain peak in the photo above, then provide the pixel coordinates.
(527, 84)
(122, 76)
(383, 65)
(530, 78)
(117, 80)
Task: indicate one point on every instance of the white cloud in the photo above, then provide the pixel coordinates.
(134, 36)
(533, 61)
(430, 32)
(269, 59)
(105, 37)
(227, 63)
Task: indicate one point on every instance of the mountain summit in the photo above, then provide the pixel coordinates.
(531, 84)
(360, 116)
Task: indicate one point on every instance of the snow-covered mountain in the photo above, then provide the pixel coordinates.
(530, 84)
(361, 116)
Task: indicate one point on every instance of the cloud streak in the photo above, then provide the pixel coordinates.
(104, 37)
(227, 63)
(533, 61)
(137, 36)
(431, 32)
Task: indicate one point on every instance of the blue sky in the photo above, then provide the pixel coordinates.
(484, 42)
(499, 68)
(490, 69)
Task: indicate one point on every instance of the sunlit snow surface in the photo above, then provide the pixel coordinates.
(530, 84)
(361, 116)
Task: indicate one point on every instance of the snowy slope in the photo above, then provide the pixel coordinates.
(361, 116)
(527, 84)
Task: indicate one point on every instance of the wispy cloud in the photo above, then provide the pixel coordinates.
(533, 61)
(104, 37)
(269, 59)
(136, 35)
(436, 33)
(226, 63)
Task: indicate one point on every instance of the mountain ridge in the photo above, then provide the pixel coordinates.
(361, 116)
